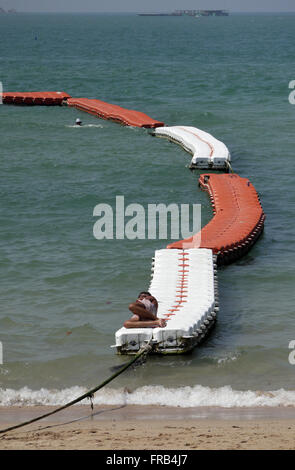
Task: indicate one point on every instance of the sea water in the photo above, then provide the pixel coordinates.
(63, 292)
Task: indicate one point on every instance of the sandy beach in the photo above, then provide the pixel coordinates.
(150, 428)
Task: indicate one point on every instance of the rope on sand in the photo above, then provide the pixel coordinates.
(144, 351)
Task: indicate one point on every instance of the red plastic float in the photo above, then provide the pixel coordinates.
(113, 112)
(43, 98)
(238, 218)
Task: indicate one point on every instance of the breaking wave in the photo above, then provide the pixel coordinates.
(184, 397)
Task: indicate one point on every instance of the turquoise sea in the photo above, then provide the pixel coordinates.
(63, 293)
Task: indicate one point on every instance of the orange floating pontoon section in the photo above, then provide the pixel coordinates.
(238, 218)
(113, 112)
(45, 98)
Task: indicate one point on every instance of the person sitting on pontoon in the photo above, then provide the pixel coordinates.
(144, 311)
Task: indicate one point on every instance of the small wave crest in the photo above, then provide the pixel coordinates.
(74, 126)
(184, 397)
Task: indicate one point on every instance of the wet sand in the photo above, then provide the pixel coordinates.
(149, 427)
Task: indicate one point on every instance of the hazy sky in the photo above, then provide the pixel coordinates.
(149, 6)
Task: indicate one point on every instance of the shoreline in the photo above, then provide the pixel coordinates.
(148, 427)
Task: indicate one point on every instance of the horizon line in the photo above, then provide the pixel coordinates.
(148, 12)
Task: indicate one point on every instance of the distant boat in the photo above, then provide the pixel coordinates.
(12, 10)
(160, 14)
(193, 13)
(213, 13)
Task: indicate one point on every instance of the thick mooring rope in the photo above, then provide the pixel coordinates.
(89, 394)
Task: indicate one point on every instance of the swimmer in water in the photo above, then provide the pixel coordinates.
(78, 122)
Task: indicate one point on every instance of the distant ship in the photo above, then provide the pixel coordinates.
(160, 14)
(212, 13)
(195, 13)
(12, 10)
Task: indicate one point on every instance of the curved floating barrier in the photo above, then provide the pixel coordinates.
(43, 98)
(238, 218)
(184, 283)
(207, 151)
(113, 112)
(184, 279)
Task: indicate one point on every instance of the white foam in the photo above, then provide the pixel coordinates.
(27, 397)
(184, 397)
(74, 126)
(226, 359)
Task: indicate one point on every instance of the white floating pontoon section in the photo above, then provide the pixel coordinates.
(207, 151)
(184, 283)
(130, 340)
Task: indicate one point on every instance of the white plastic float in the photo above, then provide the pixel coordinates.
(185, 285)
(207, 151)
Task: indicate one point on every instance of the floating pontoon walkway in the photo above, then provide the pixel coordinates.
(184, 274)
(113, 112)
(100, 109)
(238, 218)
(185, 285)
(207, 151)
(40, 98)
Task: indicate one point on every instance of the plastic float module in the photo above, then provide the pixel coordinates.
(185, 284)
(42, 98)
(207, 151)
(238, 218)
(113, 112)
